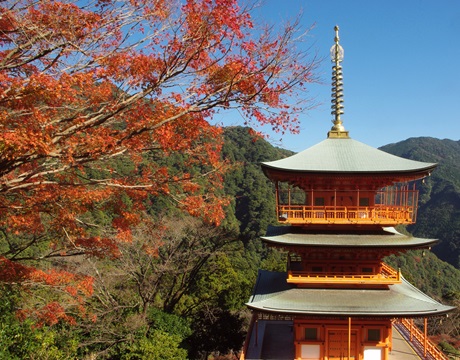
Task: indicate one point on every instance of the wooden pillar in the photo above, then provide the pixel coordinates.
(277, 197)
(407, 196)
(411, 327)
(349, 338)
(257, 332)
(388, 342)
(390, 337)
(335, 204)
(425, 338)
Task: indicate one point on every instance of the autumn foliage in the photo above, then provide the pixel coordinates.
(85, 83)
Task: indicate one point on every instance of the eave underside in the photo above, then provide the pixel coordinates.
(320, 180)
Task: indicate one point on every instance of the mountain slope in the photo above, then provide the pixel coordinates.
(254, 202)
(252, 192)
(439, 211)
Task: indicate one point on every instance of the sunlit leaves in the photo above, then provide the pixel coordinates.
(74, 289)
(87, 86)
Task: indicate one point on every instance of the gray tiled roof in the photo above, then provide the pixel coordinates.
(273, 294)
(347, 156)
(388, 237)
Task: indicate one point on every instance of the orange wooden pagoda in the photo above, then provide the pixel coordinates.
(338, 203)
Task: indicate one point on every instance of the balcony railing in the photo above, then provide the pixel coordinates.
(386, 215)
(390, 206)
(387, 276)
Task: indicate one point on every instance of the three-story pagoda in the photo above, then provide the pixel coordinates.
(338, 203)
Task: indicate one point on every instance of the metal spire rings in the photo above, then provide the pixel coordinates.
(338, 129)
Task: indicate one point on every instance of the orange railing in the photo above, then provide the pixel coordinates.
(387, 276)
(296, 214)
(423, 346)
(386, 207)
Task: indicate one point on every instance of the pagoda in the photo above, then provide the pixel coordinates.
(338, 204)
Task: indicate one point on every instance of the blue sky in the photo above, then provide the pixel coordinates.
(401, 67)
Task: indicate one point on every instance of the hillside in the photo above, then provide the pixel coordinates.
(253, 200)
(179, 288)
(439, 211)
(438, 217)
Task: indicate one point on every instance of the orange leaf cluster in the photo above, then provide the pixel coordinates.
(94, 99)
(75, 289)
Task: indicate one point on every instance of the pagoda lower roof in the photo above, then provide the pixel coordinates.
(273, 294)
(386, 237)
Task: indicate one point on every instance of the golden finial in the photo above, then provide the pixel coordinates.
(338, 130)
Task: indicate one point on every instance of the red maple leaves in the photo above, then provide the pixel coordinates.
(95, 97)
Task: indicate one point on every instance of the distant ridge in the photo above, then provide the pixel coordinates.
(439, 212)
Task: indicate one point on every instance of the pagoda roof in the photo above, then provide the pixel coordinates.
(386, 237)
(273, 294)
(345, 155)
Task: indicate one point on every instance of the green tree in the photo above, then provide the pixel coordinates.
(214, 331)
(159, 345)
(22, 340)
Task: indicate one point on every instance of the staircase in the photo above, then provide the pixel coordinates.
(416, 338)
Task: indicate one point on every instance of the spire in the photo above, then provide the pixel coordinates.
(338, 130)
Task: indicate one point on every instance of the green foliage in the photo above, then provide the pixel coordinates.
(223, 285)
(429, 274)
(439, 211)
(21, 340)
(159, 345)
(157, 336)
(172, 324)
(184, 298)
(444, 152)
(275, 260)
(253, 199)
(216, 330)
(448, 348)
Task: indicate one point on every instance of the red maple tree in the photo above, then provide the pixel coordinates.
(82, 84)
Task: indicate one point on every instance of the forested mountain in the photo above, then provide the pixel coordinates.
(438, 216)
(439, 212)
(178, 289)
(253, 200)
(125, 232)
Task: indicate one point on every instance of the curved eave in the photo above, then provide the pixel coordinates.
(390, 314)
(387, 238)
(350, 241)
(347, 157)
(272, 294)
